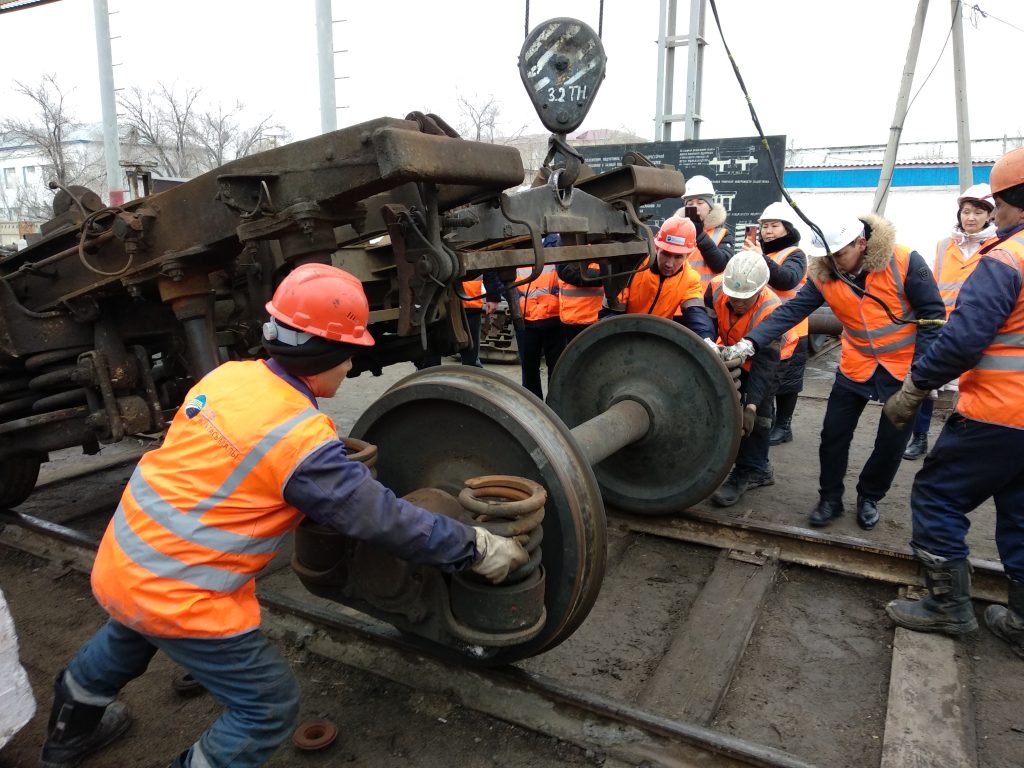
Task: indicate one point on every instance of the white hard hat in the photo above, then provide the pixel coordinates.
(839, 235)
(779, 212)
(977, 193)
(699, 186)
(745, 274)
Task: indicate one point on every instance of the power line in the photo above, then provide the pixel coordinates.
(986, 15)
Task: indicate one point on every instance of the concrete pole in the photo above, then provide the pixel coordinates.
(889, 161)
(325, 57)
(963, 129)
(660, 109)
(111, 145)
(694, 68)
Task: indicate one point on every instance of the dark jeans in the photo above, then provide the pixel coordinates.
(539, 337)
(790, 376)
(471, 354)
(841, 416)
(572, 330)
(971, 462)
(753, 453)
(245, 673)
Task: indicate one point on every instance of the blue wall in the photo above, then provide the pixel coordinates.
(847, 178)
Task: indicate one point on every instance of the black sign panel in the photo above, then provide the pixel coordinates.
(739, 168)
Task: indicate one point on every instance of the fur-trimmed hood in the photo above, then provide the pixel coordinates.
(881, 236)
(715, 218)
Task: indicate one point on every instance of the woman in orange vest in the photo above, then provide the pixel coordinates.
(980, 451)
(542, 334)
(876, 350)
(714, 242)
(955, 259)
(247, 456)
(669, 287)
(741, 300)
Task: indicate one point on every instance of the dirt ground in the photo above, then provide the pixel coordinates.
(797, 655)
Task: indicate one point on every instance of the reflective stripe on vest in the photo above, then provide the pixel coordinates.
(740, 326)
(474, 289)
(538, 300)
(696, 260)
(993, 391)
(869, 337)
(779, 257)
(648, 294)
(182, 550)
(577, 304)
(951, 270)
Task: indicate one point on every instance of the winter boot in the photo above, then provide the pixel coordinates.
(948, 606)
(1008, 622)
(917, 448)
(781, 433)
(732, 489)
(76, 730)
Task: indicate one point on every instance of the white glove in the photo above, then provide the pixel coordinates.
(714, 347)
(741, 350)
(498, 555)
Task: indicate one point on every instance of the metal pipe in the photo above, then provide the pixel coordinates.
(622, 424)
(325, 61)
(963, 130)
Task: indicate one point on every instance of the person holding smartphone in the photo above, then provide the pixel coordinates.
(714, 246)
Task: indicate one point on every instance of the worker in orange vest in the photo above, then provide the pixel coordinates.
(669, 287)
(779, 241)
(955, 259)
(482, 299)
(542, 334)
(867, 277)
(580, 296)
(741, 300)
(244, 460)
(714, 243)
(980, 452)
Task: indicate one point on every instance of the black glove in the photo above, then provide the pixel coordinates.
(692, 215)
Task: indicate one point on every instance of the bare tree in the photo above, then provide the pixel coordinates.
(221, 137)
(479, 118)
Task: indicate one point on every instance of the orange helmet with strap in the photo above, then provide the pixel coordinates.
(1008, 171)
(677, 236)
(324, 301)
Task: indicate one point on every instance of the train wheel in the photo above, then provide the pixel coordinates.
(18, 475)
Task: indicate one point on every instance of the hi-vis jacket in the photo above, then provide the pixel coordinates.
(714, 248)
(538, 300)
(650, 293)
(983, 341)
(579, 304)
(780, 257)
(732, 327)
(475, 290)
(245, 457)
(953, 264)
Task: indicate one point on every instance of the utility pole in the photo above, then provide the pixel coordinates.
(668, 41)
(963, 130)
(325, 59)
(111, 139)
(889, 161)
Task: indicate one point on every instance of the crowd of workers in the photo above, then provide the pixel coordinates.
(249, 454)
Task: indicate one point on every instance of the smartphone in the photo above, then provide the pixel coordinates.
(751, 234)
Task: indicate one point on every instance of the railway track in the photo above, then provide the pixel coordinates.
(713, 642)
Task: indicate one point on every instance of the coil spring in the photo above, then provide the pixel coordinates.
(510, 506)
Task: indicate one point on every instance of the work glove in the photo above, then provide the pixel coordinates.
(694, 216)
(901, 408)
(735, 367)
(741, 350)
(749, 419)
(498, 555)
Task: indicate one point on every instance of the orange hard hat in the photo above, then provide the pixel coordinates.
(1008, 171)
(677, 236)
(324, 301)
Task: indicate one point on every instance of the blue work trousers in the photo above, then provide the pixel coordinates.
(971, 462)
(843, 411)
(245, 673)
(471, 354)
(539, 338)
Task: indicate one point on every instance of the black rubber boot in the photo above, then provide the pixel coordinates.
(918, 447)
(77, 730)
(947, 608)
(1007, 622)
(781, 433)
(732, 489)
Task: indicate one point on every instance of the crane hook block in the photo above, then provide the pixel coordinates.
(562, 65)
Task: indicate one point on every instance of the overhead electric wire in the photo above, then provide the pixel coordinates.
(782, 188)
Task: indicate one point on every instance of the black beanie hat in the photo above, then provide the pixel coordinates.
(315, 356)
(1014, 196)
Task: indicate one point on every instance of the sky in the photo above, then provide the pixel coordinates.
(821, 72)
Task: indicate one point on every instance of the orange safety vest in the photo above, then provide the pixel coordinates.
(993, 390)
(802, 328)
(951, 269)
(732, 327)
(538, 300)
(717, 234)
(579, 304)
(204, 513)
(869, 337)
(649, 294)
(473, 288)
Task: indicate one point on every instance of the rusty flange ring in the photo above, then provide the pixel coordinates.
(315, 734)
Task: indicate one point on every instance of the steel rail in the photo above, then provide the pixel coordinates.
(847, 555)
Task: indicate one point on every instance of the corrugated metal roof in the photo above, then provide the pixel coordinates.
(933, 153)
